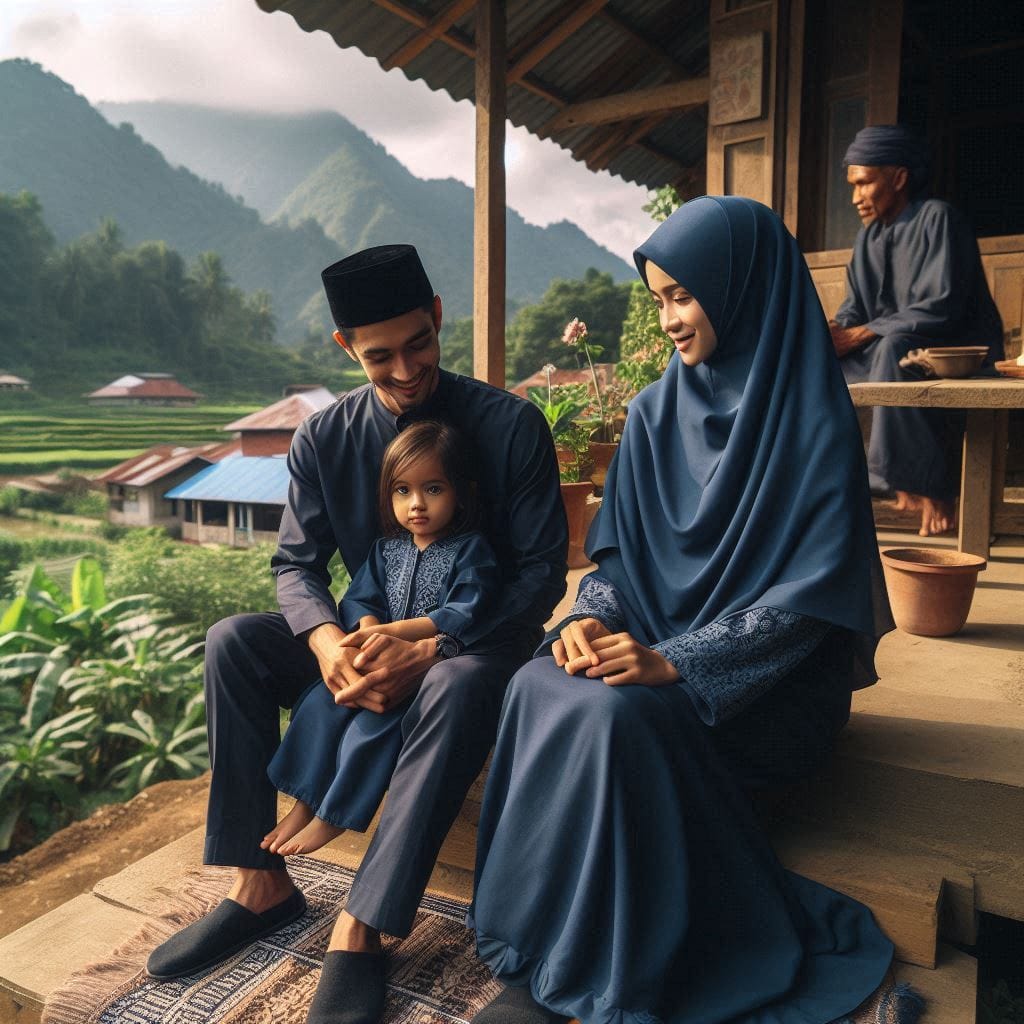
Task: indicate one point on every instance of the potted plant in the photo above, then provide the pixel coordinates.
(607, 414)
(572, 442)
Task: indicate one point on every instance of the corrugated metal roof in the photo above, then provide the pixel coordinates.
(257, 479)
(144, 386)
(154, 464)
(286, 414)
(627, 45)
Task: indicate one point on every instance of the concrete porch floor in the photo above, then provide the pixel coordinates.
(921, 815)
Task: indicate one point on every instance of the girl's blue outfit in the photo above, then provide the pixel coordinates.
(621, 872)
(340, 760)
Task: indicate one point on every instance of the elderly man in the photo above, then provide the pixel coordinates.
(916, 281)
(388, 319)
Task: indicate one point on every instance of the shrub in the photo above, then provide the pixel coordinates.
(10, 500)
(194, 584)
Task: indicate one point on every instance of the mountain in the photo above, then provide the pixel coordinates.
(83, 169)
(320, 167)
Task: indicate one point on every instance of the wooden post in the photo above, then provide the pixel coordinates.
(489, 196)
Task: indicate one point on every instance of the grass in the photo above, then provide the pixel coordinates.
(51, 436)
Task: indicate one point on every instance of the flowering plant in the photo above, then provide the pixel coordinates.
(575, 335)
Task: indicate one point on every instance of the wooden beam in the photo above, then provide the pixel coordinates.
(562, 24)
(456, 42)
(638, 39)
(600, 161)
(489, 196)
(638, 103)
(433, 31)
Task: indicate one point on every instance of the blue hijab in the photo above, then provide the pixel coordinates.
(741, 482)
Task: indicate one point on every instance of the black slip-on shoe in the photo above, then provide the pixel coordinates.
(517, 1006)
(228, 928)
(350, 990)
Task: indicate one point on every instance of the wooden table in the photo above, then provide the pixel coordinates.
(988, 402)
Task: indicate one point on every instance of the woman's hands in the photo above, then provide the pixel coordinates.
(617, 658)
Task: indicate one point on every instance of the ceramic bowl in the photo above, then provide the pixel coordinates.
(961, 361)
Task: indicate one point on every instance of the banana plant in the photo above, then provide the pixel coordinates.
(35, 769)
(167, 748)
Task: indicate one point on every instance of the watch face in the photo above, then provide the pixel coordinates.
(447, 647)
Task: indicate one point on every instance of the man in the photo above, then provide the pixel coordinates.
(388, 319)
(915, 281)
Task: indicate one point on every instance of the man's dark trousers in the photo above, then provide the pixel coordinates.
(255, 666)
(911, 449)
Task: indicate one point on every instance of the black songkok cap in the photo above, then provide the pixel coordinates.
(376, 284)
(890, 145)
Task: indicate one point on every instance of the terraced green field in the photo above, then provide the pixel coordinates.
(45, 438)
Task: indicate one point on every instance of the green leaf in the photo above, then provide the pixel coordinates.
(187, 736)
(181, 763)
(147, 773)
(15, 666)
(7, 823)
(121, 729)
(7, 772)
(87, 589)
(44, 689)
(147, 723)
(17, 615)
(9, 640)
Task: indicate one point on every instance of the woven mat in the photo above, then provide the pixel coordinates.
(433, 973)
(434, 976)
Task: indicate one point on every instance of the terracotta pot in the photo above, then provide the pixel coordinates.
(930, 589)
(601, 453)
(579, 514)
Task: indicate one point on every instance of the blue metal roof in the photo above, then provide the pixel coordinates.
(259, 479)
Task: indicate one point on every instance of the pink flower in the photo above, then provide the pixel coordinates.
(575, 331)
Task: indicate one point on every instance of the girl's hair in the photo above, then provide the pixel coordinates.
(421, 440)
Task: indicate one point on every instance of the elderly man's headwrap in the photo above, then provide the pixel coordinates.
(891, 145)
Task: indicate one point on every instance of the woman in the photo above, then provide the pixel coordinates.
(621, 875)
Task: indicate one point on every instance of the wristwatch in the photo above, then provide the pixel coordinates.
(447, 645)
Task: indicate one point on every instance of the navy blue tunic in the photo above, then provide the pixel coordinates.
(916, 283)
(340, 760)
(335, 462)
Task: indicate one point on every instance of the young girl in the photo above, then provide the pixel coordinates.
(429, 575)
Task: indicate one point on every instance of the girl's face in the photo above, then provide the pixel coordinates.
(681, 316)
(423, 500)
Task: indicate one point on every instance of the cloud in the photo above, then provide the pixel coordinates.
(231, 54)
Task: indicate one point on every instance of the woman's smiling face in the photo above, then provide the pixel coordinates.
(682, 317)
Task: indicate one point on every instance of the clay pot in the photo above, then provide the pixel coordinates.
(930, 589)
(601, 453)
(579, 512)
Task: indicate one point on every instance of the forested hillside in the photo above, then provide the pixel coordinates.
(84, 170)
(320, 167)
(74, 317)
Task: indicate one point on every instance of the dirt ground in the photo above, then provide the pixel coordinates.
(71, 861)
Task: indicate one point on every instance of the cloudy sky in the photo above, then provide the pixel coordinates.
(229, 53)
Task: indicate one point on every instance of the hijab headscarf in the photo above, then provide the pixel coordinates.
(741, 482)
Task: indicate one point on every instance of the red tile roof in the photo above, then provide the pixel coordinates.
(144, 385)
(286, 414)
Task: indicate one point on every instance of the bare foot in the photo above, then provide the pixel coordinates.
(906, 502)
(352, 934)
(293, 822)
(259, 889)
(936, 516)
(316, 834)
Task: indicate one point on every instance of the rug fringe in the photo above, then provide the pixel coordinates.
(88, 990)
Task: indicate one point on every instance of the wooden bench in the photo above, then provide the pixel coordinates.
(988, 402)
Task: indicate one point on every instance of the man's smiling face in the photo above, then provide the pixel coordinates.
(400, 356)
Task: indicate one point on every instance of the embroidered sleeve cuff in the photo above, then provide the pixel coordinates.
(597, 600)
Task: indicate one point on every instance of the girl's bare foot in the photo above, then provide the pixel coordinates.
(293, 822)
(936, 517)
(316, 834)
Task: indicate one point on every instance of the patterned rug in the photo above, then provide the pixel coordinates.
(434, 976)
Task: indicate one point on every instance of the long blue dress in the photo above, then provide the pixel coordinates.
(621, 873)
(340, 760)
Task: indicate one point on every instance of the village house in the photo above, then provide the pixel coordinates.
(144, 389)
(135, 488)
(240, 500)
(12, 382)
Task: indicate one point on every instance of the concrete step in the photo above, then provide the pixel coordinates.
(90, 926)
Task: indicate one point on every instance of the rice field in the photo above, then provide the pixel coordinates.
(46, 438)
